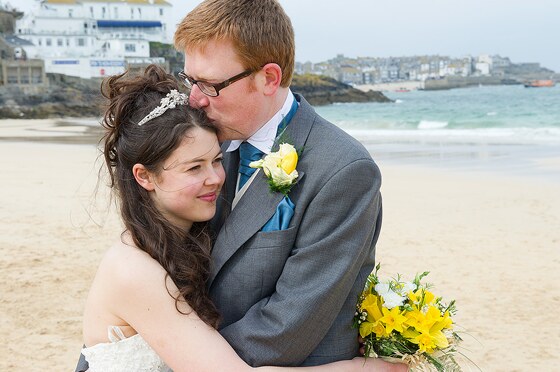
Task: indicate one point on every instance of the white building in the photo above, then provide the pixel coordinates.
(93, 38)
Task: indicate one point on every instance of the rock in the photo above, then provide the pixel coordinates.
(321, 90)
(67, 96)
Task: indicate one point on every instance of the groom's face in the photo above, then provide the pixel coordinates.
(238, 110)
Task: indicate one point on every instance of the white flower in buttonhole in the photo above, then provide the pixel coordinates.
(280, 168)
(394, 293)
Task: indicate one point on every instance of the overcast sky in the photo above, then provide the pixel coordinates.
(524, 30)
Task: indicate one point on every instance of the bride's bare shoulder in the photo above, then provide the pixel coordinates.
(126, 264)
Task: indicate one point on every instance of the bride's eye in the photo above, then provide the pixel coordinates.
(194, 169)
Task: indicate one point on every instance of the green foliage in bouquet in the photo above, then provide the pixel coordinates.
(405, 321)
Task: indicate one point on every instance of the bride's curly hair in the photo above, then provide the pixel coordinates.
(184, 255)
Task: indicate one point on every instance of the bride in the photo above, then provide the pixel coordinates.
(148, 308)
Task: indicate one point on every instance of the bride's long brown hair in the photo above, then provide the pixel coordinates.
(185, 255)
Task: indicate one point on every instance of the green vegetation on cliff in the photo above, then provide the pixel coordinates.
(321, 90)
(67, 96)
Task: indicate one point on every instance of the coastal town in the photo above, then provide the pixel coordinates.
(427, 72)
(79, 42)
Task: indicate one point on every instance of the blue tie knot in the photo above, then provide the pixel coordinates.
(247, 154)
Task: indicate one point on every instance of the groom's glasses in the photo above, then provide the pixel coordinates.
(212, 90)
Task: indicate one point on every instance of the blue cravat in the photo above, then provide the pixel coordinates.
(247, 154)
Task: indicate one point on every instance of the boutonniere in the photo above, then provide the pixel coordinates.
(280, 168)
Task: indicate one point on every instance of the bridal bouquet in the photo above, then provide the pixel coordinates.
(404, 320)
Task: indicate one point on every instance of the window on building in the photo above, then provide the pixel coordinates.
(91, 11)
(12, 75)
(24, 77)
(49, 42)
(70, 11)
(59, 42)
(36, 75)
(139, 13)
(116, 12)
(80, 42)
(131, 13)
(161, 12)
(40, 42)
(67, 42)
(103, 10)
(130, 47)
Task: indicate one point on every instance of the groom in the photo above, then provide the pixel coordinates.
(286, 271)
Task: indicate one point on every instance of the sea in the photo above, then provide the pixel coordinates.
(509, 128)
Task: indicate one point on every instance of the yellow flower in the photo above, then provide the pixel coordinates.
(280, 167)
(421, 297)
(414, 318)
(427, 341)
(393, 319)
(372, 326)
(447, 321)
(429, 297)
(289, 162)
(372, 304)
(432, 316)
(426, 333)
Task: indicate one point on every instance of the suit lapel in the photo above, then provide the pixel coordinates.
(258, 204)
(254, 209)
(231, 164)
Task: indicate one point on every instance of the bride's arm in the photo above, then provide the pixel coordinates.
(185, 342)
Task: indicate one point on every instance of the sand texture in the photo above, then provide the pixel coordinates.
(490, 240)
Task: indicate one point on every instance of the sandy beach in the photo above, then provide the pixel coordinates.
(489, 238)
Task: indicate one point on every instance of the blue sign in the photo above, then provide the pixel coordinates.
(106, 63)
(66, 62)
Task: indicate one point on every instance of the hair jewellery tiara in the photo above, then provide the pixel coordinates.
(170, 101)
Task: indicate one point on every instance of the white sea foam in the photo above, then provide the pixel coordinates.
(429, 124)
(546, 135)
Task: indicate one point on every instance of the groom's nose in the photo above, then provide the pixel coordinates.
(197, 99)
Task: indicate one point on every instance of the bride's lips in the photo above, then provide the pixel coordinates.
(210, 197)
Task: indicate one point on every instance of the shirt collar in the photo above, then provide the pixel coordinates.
(264, 138)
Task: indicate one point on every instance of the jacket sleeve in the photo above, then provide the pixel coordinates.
(335, 238)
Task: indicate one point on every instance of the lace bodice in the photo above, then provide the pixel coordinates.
(123, 354)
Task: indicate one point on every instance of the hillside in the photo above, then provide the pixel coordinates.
(74, 97)
(321, 90)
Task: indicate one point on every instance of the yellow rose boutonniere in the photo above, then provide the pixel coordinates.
(280, 168)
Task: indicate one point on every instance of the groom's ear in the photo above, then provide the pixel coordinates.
(144, 177)
(272, 78)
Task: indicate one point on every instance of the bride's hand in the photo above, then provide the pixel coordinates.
(378, 365)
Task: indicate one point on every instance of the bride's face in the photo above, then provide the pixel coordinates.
(187, 188)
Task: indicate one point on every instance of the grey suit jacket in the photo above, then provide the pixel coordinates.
(288, 297)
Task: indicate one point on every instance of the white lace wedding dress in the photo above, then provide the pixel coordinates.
(123, 354)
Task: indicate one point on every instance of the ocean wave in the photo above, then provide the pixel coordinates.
(546, 135)
(429, 124)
